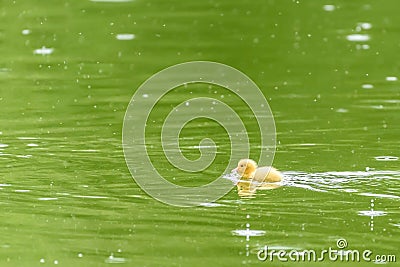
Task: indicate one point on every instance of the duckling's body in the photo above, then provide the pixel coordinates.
(253, 176)
(267, 174)
(248, 170)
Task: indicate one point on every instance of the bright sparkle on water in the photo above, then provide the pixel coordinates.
(371, 213)
(125, 36)
(358, 37)
(26, 31)
(248, 232)
(367, 86)
(391, 78)
(329, 7)
(43, 51)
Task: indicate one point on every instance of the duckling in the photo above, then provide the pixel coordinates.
(253, 176)
(248, 170)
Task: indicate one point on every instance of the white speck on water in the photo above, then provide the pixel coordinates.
(32, 145)
(112, 259)
(363, 46)
(187, 104)
(24, 156)
(27, 138)
(43, 51)
(55, 262)
(22, 190)
(367, 86)
(307, 144)
(211, 205)
(248, 232)
(365, 25)
(386, 158)
(329, 8)
(80, 255)
(342, 110)
(47, 198)
(42, 261)
(145, 95)
(26, 31)
(391, 78)
(372, 213)
(5, 185)
(125, 36)
(93, 197)
(358, 37)
(3, 145)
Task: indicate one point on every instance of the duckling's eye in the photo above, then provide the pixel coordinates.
(242, 165)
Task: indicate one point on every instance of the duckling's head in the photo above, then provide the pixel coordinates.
(246, 168)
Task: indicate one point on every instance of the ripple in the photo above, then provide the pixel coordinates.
(374, 213)
(3, 145)
(27, 138)
(47, 198)
(85, 150)
(24, 156)
(372, 183)
(358, 37)
(211, 205)
(22, 190)
(32, 145)
(43, 51)
(94, 197)
(248, 232)
(379, 195)
(386, 158)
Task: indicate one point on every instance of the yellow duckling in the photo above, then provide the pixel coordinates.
(252, 176)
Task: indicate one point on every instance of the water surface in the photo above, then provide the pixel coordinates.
(69, 68)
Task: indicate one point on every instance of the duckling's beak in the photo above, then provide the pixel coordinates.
(235, 170)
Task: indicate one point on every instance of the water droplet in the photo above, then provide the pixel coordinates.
(26, 31)
(125, 36)
(391, 78)
(329, 8)
(367, 86)
(358, 37)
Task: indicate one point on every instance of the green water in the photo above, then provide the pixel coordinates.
(67, 197)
